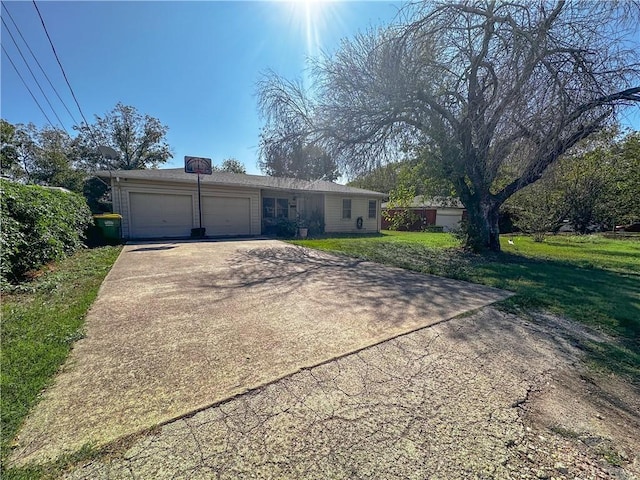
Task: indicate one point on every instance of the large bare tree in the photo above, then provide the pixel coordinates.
(496, 91)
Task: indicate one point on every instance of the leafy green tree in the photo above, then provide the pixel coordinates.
(8, 150)
(41, 156)
(22, 151)
(380, 179)
(232, 165)
(540, 208)
(49, 156)
(398, 213)
(297, 160)
(139, 140)
(498, 90)
(624, 202)
(421, 172)
(424, 171)
(595, 185)
(52, 163)
(585, 182)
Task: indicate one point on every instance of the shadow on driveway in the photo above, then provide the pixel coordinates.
(175, 330)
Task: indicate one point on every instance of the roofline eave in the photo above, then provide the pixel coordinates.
(114, 174)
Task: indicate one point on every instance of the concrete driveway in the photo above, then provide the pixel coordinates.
(179, 327)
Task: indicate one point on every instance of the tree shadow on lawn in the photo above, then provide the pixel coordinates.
(606, 300)
(600, 298)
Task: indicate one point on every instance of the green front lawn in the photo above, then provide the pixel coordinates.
(40, 323)
(591, 279)
(589, 251)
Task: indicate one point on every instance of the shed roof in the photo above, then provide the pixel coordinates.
(238, 179)
(421, 201)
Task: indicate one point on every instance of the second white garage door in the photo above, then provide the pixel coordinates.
(155, 215)
(226, 215)
(449, 220)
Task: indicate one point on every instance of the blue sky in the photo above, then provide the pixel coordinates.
(193, 65)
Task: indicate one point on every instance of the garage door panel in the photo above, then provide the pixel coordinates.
(448, 221)
(156, 215)
(226, 215)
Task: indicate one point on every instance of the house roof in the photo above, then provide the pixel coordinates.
(238, 179)
(435, 202)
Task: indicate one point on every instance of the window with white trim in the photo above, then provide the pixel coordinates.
(346, 208)
(373, 208)
(275, 207)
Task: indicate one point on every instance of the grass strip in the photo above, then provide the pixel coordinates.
(41, 320)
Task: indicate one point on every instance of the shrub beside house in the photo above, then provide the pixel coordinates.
(39, 225)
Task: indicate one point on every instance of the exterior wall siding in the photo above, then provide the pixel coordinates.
(334, 223)
(122, 189)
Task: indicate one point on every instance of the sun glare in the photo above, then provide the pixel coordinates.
(312, 17)
(314, 24)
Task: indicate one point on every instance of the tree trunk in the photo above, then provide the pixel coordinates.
(483, 232)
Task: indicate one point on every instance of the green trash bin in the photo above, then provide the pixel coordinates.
(109, 225)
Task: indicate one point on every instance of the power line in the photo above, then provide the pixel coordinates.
(27, 86)
(60, 64)
(32, 74)
(93, 136)
(42, 69)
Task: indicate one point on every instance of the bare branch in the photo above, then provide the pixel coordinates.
(503, 89)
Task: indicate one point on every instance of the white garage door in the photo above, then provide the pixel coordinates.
(449, 220)
(226, 215)
(156, 215)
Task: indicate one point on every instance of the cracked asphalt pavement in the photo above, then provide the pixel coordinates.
(486, 395)
(180, 326)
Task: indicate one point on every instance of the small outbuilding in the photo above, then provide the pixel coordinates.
(163, 203)
(446, 213)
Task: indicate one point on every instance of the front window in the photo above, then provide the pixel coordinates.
(282, 208)
(346, 208)
(373, 208)
(268, 207)
(275, 208)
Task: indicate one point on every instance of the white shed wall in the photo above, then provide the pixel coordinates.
(448, 218)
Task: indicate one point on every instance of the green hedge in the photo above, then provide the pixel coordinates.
(39, 225)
